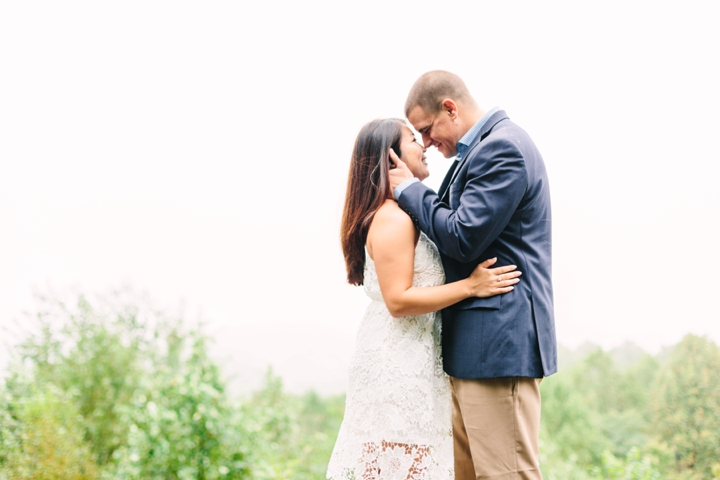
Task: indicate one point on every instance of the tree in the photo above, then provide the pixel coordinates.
(40, 437)
(632, 467)
(568, 424)
(149, 401)
(687, 407)
(292, 435)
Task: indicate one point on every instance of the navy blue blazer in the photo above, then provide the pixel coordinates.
(494, 203)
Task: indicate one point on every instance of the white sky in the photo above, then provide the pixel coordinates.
(199, 151)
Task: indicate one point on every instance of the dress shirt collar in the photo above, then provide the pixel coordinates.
(470, 135)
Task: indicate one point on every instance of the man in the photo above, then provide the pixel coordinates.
(494, 202)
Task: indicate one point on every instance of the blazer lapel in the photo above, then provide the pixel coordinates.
(497, 117)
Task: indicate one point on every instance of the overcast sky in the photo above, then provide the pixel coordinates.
(199, 151)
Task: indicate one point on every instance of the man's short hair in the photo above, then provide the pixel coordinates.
(432, 88)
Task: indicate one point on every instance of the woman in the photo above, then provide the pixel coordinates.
(398, 407)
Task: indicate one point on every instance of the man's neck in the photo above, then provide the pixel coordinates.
(469, 119)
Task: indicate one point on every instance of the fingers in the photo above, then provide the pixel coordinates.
(506, 282)
(502, 290)
(488, 263)
(504, 286)
(509, 275)
(495, 281)
(396, 160)
(394, 157)
(503, 269)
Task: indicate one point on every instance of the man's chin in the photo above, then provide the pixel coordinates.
(444, 152)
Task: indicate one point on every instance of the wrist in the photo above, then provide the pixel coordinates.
(466, 288)
(399, 189)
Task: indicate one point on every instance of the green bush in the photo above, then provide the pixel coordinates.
(293, 436)
(149, 401)
(112, 388)
(632, 467)
(41, 438)
(687, 407)
(181, 424)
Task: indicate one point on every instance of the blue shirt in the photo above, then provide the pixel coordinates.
(461, 147)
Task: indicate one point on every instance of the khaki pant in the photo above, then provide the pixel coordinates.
(496, 424)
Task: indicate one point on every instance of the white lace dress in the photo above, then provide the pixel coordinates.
(397, 422)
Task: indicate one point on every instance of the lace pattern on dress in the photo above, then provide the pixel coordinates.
(397, 423)
(393, 460)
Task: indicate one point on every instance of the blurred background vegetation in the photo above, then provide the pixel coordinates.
(115, 389)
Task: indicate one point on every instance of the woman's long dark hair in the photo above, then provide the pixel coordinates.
(367, 189)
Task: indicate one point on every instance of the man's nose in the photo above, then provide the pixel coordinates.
(427, 141)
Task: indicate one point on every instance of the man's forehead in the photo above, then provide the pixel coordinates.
(419, 118)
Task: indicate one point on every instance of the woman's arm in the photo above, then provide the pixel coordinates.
(391, 244)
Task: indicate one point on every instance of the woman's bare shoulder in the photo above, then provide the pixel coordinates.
(390, 227)
(391, 214)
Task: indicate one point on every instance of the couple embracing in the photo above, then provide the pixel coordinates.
(444, 381)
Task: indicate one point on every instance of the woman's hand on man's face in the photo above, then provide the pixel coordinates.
(400, 173)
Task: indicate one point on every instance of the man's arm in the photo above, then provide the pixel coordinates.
(495, 183)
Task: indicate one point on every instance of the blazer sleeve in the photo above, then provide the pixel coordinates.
(493, 181)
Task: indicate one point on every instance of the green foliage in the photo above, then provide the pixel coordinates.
(574, 431)
(115, 389)
(181, 424)
(40, 437)
(293, 435)
(594, 406)
(320, 420)
(557, 464)
(93, 358)
(632, 467)
(687, 409)
(649, 419)
(149, 401)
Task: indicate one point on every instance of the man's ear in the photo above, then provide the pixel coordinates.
(450, 107)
